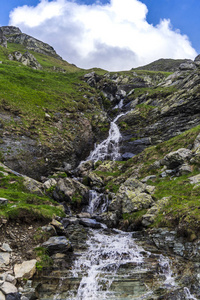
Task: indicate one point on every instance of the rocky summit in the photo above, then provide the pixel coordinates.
(100, 177)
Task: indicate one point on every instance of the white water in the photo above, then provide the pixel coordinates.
(98, 202)
(109, 148)
(100, 264)
(188, 294)
(166, 270)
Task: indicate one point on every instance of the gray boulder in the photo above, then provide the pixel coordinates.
(13, 296)
(187, 66)
(26, 59)
(134, 196)
(90, 223)
(58, 244)
(71, 190)
(176, 158)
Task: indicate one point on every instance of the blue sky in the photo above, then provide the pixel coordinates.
(101, 33)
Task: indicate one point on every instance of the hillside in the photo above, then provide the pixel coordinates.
(52, 115)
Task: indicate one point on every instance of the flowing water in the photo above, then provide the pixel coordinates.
(109, 148)
(115, 266)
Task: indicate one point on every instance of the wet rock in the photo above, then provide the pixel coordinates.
(25, 270)
(77, 235)
(58, 227)
(58, 244)
(13, 296)
(90, 223)
(111, 219)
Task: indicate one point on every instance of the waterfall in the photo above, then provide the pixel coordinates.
(98, 202)
(100, 265)
(109, 148)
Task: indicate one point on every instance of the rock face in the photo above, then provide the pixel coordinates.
(14, 35)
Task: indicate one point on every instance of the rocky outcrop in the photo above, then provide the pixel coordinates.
(14, 35)
(26, 59)
(3, 40)
(134, 196)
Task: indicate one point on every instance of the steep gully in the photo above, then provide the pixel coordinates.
(116, 264)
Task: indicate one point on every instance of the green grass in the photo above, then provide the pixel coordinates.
(23, 204)
(184, 204)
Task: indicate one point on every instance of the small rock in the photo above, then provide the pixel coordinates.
(6, 248)
(4, 259)
(127, 155)
(150, 177)
(8, 288)
(11, 279)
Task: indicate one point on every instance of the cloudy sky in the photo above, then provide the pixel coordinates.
(111, 34)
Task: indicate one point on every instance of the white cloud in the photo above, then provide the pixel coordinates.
(115, 36)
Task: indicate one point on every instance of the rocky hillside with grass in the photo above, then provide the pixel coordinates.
(51, 116)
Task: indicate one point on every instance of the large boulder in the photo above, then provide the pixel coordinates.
(176, 158)
(134, 196)
(57, 244)
(71, 191)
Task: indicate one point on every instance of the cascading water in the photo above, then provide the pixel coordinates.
(98, 202)
(109, 148)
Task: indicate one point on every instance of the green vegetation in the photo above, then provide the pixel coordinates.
(184, 203)
(45, 261)
(23, 204)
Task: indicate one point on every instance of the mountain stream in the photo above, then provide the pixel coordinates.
(118, 265)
